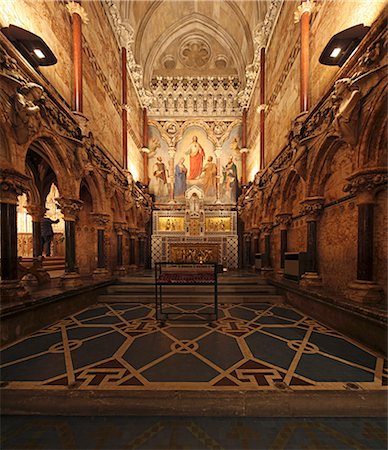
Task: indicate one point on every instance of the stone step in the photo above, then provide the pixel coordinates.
(222, 298)
(184, 290)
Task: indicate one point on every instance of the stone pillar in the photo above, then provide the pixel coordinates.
(124, 110)
(217, 152)
(70, 209)
(244, 150)
(141, 250)
(119, 228)
(303, 15)
(312, 208)
(36, 212)
(262, 108)
(266, 228)
(12, 184)
(101, 221)
(365, 184)
(170, 178)
(133, 251)
(284, 220)
(78, 15)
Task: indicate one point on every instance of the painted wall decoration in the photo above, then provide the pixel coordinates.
(194, 156)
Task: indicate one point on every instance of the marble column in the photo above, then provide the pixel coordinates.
(365, 185)
(141, 250)
(302, 15)
(265, 229)
(78, 15)
(101, 221)
(262, 108)
(12, 184)
(145, 149)
(133, 251)
(244, 150)
(124, 110)
(119, 229)
(36, 212)
(70, 209)
(312, 207)
(284, 220)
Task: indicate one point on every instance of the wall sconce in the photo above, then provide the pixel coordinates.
(342, 45)
(31, 46)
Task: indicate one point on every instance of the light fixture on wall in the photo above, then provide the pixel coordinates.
(342, 45)
(31, 46)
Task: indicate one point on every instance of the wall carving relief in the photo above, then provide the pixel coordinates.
(194, 52)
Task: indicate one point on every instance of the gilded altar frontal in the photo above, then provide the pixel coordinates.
(193, 224)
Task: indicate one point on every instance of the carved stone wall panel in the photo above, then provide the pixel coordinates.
(380, 249)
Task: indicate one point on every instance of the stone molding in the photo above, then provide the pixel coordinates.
(369, 180)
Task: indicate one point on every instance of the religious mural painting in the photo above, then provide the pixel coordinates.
(194, 162)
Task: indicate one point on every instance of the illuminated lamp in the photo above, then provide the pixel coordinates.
(31, 46)
(342, 45)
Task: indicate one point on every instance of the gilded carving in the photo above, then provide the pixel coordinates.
(194, 253)
(218, 224)
(171, 224)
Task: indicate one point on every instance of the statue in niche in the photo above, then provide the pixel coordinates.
(210, 180)
(346, 108)
(180, 178)
(27, 117)
(197, 155)
(230, 181)
(158, 184)
(194, 205)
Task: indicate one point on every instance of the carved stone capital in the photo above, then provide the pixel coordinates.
(307, 6)
(312, 207)
(244, 150)
(145, 150)
(70, 207)
(36, 212)
(76, 8)
(366, 181)
(262, 107)
(266, 227)
(283, 220)
(12, 184)
(119, 227)
(100, 219)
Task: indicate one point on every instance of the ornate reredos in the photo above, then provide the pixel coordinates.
(189, 58)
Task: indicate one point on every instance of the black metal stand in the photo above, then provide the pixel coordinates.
(184, 274)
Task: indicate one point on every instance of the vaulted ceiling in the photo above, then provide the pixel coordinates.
(180, 38)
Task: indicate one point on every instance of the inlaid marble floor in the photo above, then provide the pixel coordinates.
(120, 346)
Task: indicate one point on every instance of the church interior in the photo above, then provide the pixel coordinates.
(193, 220)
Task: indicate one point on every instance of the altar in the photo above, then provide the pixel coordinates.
(195, 233)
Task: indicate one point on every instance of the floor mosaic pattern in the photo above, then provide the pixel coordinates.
(252, 346)
(217, 433)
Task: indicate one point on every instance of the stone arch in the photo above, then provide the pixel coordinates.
(181, 28)
(5, 153)
(319, 170)
(57, 159)
(290, 192)
(372, 150)
(117, 211)
(96, 190)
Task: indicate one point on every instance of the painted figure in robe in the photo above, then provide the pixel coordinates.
(230, 180)
(209, 182)
(158, 183)
(197, 154)
(180, 178)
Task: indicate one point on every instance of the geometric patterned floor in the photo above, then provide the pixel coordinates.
(120, 346)
(52, 433)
